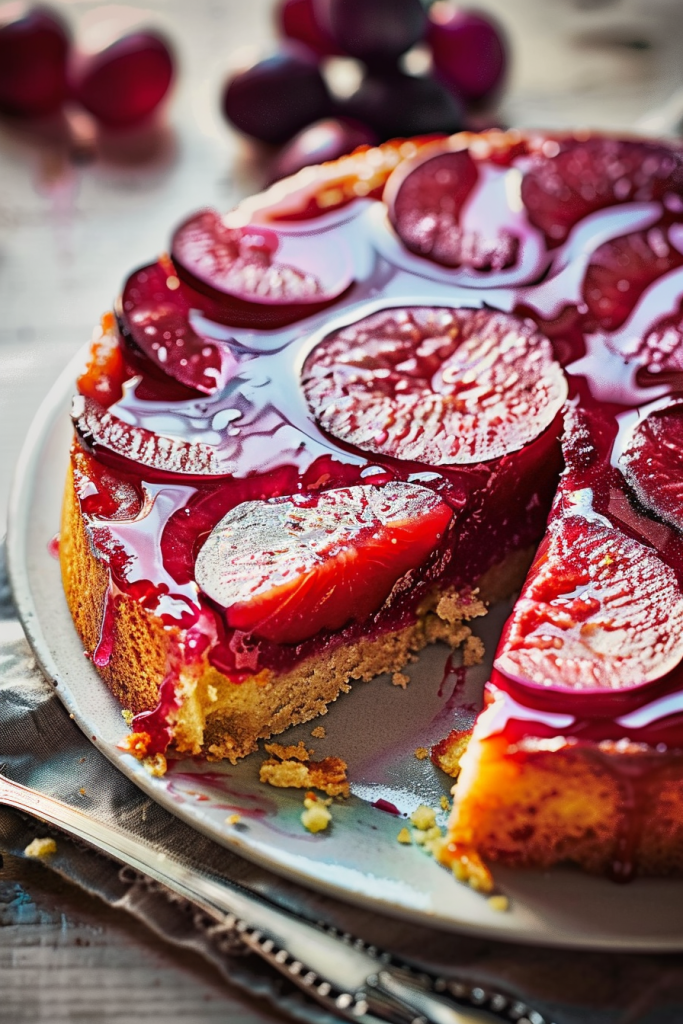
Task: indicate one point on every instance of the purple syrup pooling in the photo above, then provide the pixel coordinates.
(255, 436)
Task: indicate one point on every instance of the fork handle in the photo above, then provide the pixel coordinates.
(374, 991)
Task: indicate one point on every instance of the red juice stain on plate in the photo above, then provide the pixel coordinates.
(385, 805)
(217, 781)
(262, 808)
(53, 546)
(455, 676)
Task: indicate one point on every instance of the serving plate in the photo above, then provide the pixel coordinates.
(376, 729)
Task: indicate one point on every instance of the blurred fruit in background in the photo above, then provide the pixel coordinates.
(277, 97)
(396, 105)
(377, 32)
(296, 19)
(123, 84)
(34, 51)
(468, 52)
(43, 73)
(348, 73)
(419, 69)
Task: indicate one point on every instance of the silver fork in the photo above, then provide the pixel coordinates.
(350, 979)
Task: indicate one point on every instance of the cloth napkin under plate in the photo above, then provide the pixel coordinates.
(42, 748)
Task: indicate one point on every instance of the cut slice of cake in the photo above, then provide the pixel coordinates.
(578, 755)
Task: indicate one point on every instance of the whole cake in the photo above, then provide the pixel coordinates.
(332, 425)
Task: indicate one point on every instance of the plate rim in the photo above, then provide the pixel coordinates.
(22, 487)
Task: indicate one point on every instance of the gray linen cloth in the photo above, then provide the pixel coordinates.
(42, 748)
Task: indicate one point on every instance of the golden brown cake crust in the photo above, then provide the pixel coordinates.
(218, 717)
(601, 809)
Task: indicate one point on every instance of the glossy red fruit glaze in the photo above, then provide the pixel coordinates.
(652, 463)
(570, 178)
(468, 51)
(33, 59)
(276, 98)
(599, 611)
(112, 361)
(155, 315)
(424, 207)
(247, 273)
(619, 272)
(375, 31)
(158, 724)
(296, 19)
(440, 386)
(124, 84)
(490, 523)
(619, 733)
(286, 568)
(319, 142)
(105, 494)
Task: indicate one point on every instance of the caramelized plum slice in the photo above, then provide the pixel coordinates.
(155, 314)
(598, 612)
(653, 464)
(619, 272)
(441, 386)
(572, 178)
(425, 196)
(279, 277)
(286, 568)
(106, 434)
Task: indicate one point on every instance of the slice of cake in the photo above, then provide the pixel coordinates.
(578, 755)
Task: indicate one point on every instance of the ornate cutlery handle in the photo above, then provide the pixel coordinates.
(350, 979)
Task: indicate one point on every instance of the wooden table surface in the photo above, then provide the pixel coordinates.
(69, 232)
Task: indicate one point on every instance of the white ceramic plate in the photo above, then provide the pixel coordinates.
(376, 729)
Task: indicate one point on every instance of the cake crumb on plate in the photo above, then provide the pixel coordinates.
(156, 765)
(423, 817)
(316, 815)
(298, 752)
(289, 769)
(41, 847)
